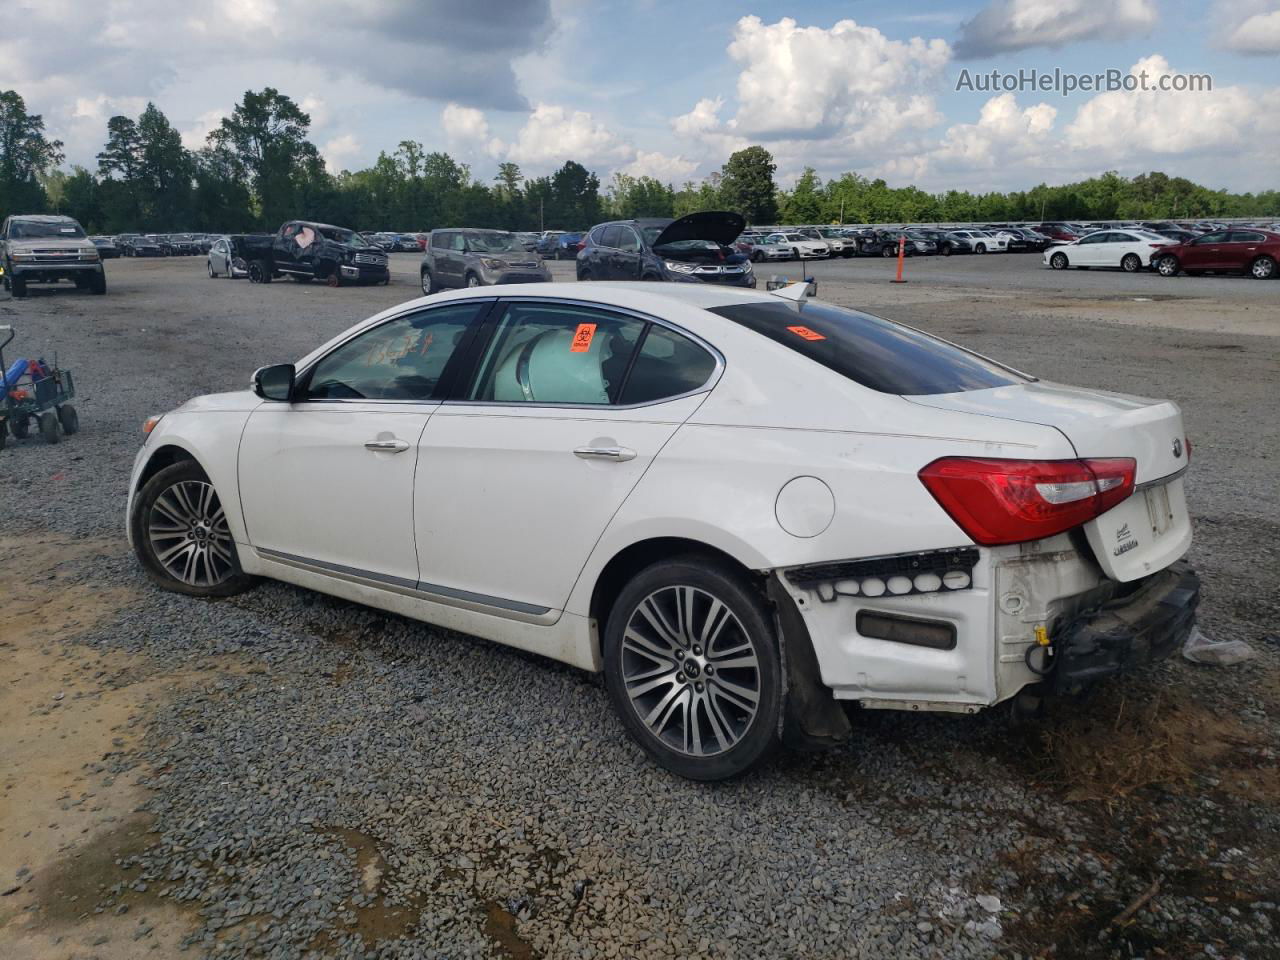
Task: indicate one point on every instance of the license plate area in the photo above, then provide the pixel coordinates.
(1159, 512)
(1144, 534)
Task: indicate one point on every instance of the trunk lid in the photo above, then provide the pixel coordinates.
(1149, 530)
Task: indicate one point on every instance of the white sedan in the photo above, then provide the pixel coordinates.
(749, 510)
(984, 241)
(801, 247)
(1127, 250)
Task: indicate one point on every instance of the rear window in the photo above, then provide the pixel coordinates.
(876, 353)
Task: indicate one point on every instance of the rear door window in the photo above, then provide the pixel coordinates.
(877, 353)
(667, 365)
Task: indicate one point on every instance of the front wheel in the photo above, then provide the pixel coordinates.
(181, 535)
(1167, 266)
(20, 426)
(212, 273)
(473, 280)
(69, 419)
(98, 284)
(945, 251)
(692, 668)
(980, 248)
(49, 427)
(1264, 268)
(259, 272)
(1058, 261)
(428, 283)
(888, 251)
(1131, 263)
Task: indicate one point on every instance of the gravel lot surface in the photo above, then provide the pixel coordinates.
(288, 775)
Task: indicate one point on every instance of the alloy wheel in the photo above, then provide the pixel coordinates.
(188, 532)
(691, 671)
(1263, 268)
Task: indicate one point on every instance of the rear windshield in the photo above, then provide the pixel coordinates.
(876, 353)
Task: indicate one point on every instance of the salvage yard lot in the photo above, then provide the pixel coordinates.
(285, 772)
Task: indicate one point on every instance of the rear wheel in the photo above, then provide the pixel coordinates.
(584, 276)
(181, 535)
(1264, 268)
(49, 427)
(69, 419)
(692, 668)
(20, 426)
(259, 271)
(1059, 261)
(1167, 266)
(980, 248)
(18, 287)
(1131, 263)
(887, 251)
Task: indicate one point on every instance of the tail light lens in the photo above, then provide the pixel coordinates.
(1012, 501)
(1188, 442)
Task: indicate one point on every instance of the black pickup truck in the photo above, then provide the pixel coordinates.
(309, 251)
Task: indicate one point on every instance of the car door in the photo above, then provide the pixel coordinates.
(519, 474)
(628, 255)
(1241, 248)
(326, 480)
(221, 257)
(445, 260)
(1205, 253)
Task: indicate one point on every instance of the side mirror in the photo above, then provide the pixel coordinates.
(274, 382)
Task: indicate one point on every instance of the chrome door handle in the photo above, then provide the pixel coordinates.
(387, 446)
(617, 454)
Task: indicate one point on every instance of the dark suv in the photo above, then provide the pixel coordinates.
(694, 248)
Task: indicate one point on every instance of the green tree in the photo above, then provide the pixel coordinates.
(631, 197)
(575, 196)
(804, 203)
(25, 154)
(747, 185)
(267, 134)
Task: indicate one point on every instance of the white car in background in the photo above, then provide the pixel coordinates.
(747, 509)
(1127, 250)
(801, 247)
(765, 249)
(984, 242)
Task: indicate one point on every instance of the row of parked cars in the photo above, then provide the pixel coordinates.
(1254, 251)
(152, 245)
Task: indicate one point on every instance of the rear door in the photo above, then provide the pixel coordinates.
(520, 473)
(1242, 247)
(628, 254)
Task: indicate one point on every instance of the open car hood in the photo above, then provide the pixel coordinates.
(720, 226)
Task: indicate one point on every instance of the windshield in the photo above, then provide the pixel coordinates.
(795, 236)
(348, 238)
(35, 230)
(876, 353)
(494, 243)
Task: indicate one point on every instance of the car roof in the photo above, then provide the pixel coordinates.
(43, 218)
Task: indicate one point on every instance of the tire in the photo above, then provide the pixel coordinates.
(69, 419)
(20, 426)
(1059, 261)
(1131, 263)
(259, 271)
(49, 427)
(333, 280)
(945, 251)
(584, 276)
(18, 287)
(1167, 266)
(719, 705)
(4, 436)
(1264, 268)
(980, 248)
(212, 273)
(472, 280)
(98, 284)
(887, 252)
(756, 257)
(428, 283)
(181, 537)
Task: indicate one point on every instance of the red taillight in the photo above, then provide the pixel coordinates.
(1012, 501)
(1188, 442)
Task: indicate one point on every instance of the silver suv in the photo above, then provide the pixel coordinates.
(478, 258)
(46, 249)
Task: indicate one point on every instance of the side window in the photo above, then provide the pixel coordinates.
(667, 365)
(557, 353)
(402, 359)
(612, 237)
(289, 230)
(1219, 237)
(627, 239)
(1237, 236)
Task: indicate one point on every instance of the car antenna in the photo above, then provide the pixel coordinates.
(797, 292)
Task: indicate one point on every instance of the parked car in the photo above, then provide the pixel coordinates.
(136, 245)
(696, 247)
(763, 248)
(950, 242)
(529, 241)
(107, 248)
(46, 249)
(1178, 236)
(309, 251)
(834, 240)
(227, 258)
(984, 242)
(183, 245)
(1127, 250)
(715, 544)
(802, 247)
(478, 258)
(1015, 242)
(1056, 230)
(378, 240)
(1035, 242)
(1252, 252)
(920, 244)
(547, 242)
(868, 242)
(568, 246)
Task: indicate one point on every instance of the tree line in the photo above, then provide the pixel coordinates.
(258, 168)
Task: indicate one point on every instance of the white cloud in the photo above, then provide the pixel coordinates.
(194, 137)
(553, 134)
(1006, 25)
(465, 126)
(1004, 133)
(340, 152)
(1250, 26)
(660, 166)
(703, 118)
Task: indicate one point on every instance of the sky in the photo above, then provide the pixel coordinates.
(667, 89)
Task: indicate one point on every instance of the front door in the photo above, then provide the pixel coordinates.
(519, 475)
(327, 479)
(1205, 253)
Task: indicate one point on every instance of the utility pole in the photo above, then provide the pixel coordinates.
(542, 226)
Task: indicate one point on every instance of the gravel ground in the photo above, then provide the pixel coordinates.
(316, 778)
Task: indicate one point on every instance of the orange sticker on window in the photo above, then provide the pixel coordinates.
(806, 333)
(582, 338)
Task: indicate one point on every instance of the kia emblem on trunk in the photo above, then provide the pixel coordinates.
(1177, 446)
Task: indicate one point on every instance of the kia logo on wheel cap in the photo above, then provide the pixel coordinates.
(1177, 446)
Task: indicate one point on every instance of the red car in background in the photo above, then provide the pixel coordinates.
(1243, 250)
(1056, 231)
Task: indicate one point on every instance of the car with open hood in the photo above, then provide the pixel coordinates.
(696, 247)
(47, 249)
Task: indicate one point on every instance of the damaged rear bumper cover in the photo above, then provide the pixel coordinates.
(1127, 632)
